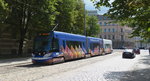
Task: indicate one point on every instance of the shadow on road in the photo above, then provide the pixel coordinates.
(38, 65)
(13, 60)
(136, 75)
(145, 60)
(140, 74)
(32, 65)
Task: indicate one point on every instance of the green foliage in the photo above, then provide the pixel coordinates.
(79, 25)
(134, 13)
(93, 27)
(36, 14)
(68, 15)
(24, 18)
(71, 18)
(100, 3)
(3, 10)
(3, 15)
(29, 16)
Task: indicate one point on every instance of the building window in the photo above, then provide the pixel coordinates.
(100, 23)
(109, 30)
(105, 24)
(113, 30)
(104, 18)
(113, 36)
(105, 30)
(100, 18)
(122, 38)
(121, 29)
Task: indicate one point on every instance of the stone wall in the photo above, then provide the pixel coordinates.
(9, 46)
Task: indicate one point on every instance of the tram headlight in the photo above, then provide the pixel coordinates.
(39, 53)
(33, 54)
(44, 53)
(47, 55)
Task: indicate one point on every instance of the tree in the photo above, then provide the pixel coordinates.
(79, 25)
(3, 11)
(67, 17)
(30, 15)
(134, 13)
(93, 27)
(3, 15)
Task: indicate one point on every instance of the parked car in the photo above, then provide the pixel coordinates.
(136, 50)
(128, 53)
(141, 48)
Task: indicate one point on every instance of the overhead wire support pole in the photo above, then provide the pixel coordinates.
(84, 21)
(85, 33)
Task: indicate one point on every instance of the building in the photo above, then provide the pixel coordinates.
(140, 44)
(92, 12)
(120, 35)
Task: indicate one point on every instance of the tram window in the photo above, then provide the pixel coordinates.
(94, 45)
(55, 45)
(107, 46)
(73, 44)
(41, 45)
(64, 44)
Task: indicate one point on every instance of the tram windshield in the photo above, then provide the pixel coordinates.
(41, 44)
(46, 44)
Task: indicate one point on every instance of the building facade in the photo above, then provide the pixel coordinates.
(120, 35)
(140, 44)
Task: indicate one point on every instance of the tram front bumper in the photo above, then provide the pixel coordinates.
(41, 60)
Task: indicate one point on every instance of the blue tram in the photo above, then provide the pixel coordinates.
(57, 46)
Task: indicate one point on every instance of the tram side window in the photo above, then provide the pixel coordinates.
(73, 44)
(64, 44)
(107, 46)
(94, 45)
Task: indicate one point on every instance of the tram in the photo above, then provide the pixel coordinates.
(107, 45)
(55, 47)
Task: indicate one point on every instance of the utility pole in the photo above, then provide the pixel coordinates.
(84, 21)
(85, 33)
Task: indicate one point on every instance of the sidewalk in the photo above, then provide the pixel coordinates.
(14, 61)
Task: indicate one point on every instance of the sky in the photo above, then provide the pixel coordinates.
(90, 6)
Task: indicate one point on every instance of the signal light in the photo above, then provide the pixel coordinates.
(44, 34)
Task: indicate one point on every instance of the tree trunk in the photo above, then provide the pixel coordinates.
(20, 50)
(23, 28)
